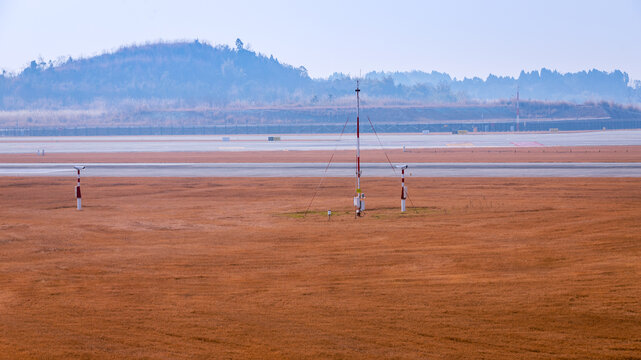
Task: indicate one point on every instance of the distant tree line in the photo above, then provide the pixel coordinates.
(188, 74)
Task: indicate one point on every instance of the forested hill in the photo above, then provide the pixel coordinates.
(189, 71)
(194, 73)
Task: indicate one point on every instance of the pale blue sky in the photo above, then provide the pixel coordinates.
(463, 38)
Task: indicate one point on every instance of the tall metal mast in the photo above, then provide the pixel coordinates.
(517, 107)
(358, 139)
(359, 204)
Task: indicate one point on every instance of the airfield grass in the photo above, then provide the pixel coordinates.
(219, 268)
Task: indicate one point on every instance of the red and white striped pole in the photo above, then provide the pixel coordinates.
(517, 107)
(359, 203)
(403, 187)
(78, 193)
(403, 190)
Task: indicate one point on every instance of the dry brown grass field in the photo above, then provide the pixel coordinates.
(200, 268)
(471, 154)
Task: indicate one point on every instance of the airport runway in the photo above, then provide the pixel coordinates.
(335, 170)
(94, 144)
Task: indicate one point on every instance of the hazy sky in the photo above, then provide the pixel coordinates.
(463, 38)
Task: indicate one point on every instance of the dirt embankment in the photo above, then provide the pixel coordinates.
(229, 268)
(517, 154)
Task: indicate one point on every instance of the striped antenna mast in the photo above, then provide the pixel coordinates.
(517, 107)
(359, 203)
(358, 138)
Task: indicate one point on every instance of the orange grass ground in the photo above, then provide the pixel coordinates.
(475, 154)
(193, 268)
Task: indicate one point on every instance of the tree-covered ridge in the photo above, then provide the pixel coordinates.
(593, 85)
(192, 71)
(183, 74)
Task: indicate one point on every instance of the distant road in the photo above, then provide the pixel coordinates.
(105, 144)
(335, 170)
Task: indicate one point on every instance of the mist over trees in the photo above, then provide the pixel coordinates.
(187, 74)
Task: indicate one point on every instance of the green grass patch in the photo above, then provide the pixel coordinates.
(376, 213)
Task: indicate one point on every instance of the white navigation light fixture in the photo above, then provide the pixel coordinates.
(78, 194)
(403, 187)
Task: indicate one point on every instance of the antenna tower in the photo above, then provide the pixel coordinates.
(359, 203)
(517, 107)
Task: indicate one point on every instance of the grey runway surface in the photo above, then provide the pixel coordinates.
(80, 144)
(335, 170)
